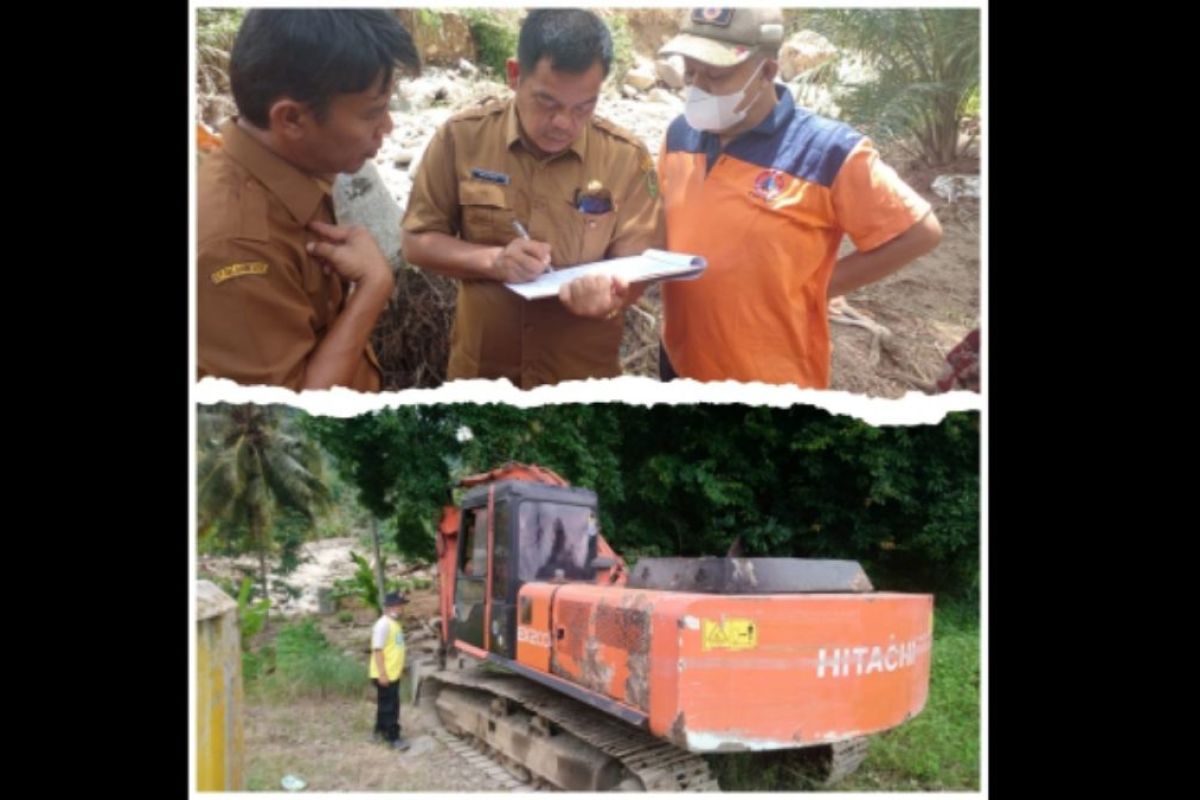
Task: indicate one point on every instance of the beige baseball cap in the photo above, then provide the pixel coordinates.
(724, 37)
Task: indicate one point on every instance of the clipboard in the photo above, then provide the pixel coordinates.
(650, 265)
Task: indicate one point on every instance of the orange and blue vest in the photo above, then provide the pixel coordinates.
(768, 213)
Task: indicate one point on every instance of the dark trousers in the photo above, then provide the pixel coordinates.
(666, 372)
(387, 710)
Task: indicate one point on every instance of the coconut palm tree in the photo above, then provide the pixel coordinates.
(254, 463)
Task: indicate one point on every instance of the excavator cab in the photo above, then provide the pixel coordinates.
(538, 533)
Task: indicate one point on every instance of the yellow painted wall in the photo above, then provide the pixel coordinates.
(220, 756)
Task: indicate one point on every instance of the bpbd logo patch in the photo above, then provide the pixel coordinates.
(770, 183)
(720, 17)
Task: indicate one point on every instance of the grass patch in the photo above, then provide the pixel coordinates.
(939, 749)
(302, 663)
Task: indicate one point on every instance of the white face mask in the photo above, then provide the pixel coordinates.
(715, 112)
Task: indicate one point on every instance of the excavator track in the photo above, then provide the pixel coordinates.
(496, 769)
(844, 758)
(557, 740)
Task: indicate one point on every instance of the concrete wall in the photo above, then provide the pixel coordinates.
(220, 756)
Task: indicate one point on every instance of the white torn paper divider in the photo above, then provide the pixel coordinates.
(650, 265)
(913, 409)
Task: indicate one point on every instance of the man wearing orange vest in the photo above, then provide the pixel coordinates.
(765, 191)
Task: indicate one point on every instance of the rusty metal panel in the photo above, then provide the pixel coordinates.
(571, 620)
(604, 645)
(627, 629)
(734, 576)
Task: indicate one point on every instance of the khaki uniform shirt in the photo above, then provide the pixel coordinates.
(475, 178)
(263, 305)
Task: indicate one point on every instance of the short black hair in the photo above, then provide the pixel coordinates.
(312, 55)
(572, 38)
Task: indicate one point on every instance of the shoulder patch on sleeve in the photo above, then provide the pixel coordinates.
(238, 270)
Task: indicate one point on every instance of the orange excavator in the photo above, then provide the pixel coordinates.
(583, 674)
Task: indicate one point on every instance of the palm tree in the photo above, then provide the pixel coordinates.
(927, 63)
(253, 463)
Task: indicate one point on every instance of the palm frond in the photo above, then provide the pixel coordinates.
(927, 63)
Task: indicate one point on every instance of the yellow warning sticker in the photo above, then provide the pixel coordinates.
(730, 634)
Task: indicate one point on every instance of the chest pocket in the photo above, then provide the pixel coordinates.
(597, 234)
(486, 214)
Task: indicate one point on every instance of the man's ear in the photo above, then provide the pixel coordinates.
(289, 118)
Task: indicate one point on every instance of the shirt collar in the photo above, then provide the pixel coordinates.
(512, 133)
(299, 192)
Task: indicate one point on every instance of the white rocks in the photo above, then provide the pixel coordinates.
(641, 78)
(661, 95)
(670, 71)
(803, 51)
(955, 187)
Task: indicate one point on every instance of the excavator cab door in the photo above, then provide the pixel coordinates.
(486, 626)
(470, 584)
(534, 533)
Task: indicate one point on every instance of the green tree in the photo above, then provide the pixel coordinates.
(405, 461)
(495, 33)
(690, 480)
(253, 464)
(398, 461)
(928, 70)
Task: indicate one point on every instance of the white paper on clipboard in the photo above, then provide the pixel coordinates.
(650, 265)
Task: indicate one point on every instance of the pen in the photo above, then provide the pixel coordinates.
(524, 234)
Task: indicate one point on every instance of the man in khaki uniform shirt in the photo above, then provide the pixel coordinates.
(283, 296)
(584, 190)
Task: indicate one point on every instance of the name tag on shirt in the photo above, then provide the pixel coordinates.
(489, 176)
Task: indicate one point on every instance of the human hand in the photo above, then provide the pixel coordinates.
(351, 251)
(595, 296)
(521, 260)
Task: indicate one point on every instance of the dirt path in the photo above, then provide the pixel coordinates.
(328, 744)
(928, 306)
